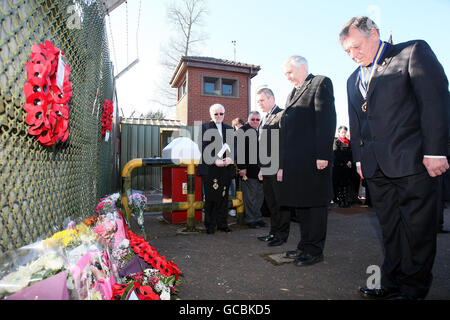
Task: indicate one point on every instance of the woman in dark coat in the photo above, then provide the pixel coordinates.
(342, 168)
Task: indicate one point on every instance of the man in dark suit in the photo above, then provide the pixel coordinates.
(307, 130)
(398, 104)
(247, 163)
(216, 168)
(269, 160)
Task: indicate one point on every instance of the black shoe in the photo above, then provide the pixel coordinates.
(276, 242)
(305, 259)
(267, 238)
(226, 229)
(253, 225)
(210, 231)
(294, 254)
(380, 293)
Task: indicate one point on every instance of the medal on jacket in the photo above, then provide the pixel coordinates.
(215, 185)
(366, 74)
(364, 106)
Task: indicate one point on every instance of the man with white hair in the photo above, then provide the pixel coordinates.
(307, 132)
(216, 168)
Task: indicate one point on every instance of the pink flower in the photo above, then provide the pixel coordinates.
(99, 207)
(100, 229)
(153, 280)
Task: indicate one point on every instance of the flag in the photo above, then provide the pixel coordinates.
(390, 37)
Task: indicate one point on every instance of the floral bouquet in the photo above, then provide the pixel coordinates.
(91, 277)
(137, 203)
(106, 228)
(148, 284)
(108, 204)
(28, 265)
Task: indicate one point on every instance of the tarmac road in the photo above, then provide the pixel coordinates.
(234, 266)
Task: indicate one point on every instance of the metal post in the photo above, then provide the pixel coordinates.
(190, 197)
(190, 205)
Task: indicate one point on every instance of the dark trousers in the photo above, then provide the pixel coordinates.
(313, 229)
(440, 201)
(280, 217)
(216, 212)
(406, 210)
(252, 190)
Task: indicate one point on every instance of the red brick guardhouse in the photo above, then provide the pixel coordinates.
(203, 81)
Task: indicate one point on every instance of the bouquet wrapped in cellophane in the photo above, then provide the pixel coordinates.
(97, 258)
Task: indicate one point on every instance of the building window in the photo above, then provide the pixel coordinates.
(211, 86)
(218, 86)
(182, 90)
(229, 87)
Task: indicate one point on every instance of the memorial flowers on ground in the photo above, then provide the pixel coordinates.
(100, 258)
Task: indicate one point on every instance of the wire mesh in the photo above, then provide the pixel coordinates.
(41, 186)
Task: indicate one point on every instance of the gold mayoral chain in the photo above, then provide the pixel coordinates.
(364, 72)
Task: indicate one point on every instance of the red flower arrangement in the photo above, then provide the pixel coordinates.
(107, 117)
(120, 291)
(46, 104)
(151, 256)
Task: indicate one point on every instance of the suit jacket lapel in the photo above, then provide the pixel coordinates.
(380, 68)
(293, 97)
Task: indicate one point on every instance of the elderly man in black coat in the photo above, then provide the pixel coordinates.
(307, 132)
(216, 168)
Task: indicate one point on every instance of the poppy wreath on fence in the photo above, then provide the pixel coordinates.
(46, 104)
(107, 117)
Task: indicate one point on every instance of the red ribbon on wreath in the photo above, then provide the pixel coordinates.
(107, 117)
(46, 104)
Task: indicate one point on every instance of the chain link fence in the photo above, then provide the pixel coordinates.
(41, 186)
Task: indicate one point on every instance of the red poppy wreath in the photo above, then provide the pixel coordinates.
(46, 103)
(107, 117)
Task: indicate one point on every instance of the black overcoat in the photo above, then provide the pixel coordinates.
(307, 129)
(216, 180)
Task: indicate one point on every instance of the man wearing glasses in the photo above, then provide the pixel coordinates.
(216, 168)
(252, 189)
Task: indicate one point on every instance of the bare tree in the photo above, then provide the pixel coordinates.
(158, 115)
(186, 17)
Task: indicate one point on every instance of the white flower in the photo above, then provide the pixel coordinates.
(15, 281)
(124, 244)
(115, 196)
(53, 262)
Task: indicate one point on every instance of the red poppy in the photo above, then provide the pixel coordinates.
(36, 111)
(46, 104)
(146, 293)
(107, 117)
(59, 116)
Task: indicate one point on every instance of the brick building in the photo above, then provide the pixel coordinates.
(203, 81)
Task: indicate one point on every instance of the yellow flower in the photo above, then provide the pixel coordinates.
(65, 237)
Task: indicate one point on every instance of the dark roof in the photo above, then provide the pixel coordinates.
(214, 63)
(220, 61)
(166, 123)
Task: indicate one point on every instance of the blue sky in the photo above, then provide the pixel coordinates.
(267, 32)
